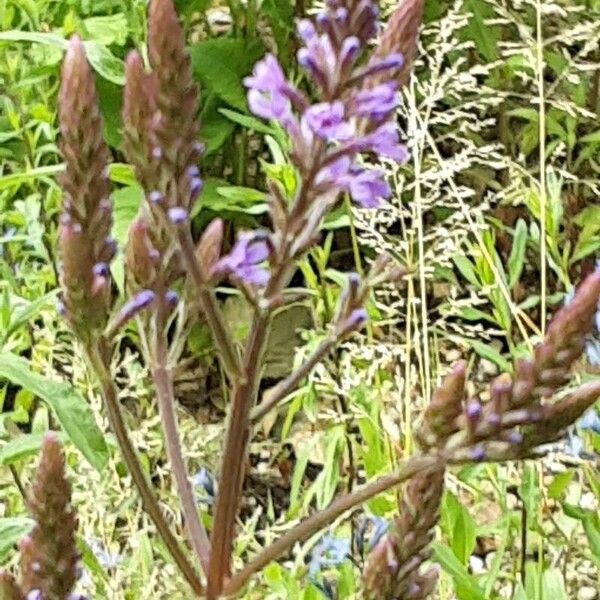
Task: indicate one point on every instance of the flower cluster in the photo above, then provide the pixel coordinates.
(328, 136)
(393, 568)
(520, 416)
(160, 140)
(85, 245)
(49, 566)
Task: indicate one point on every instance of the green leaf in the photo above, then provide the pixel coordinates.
(126, 203)
(23, 446)
(247, 121)
(589, 217)
(19, 178)
(49, 39)
(100, 57)
(529, 493)
(12, 529)
(474, 314)
(215, 129)
(486, 351)
(217, 195)
(220, 64)
(516, 259)
(467, 270)
(591, 138)
(467, 588)
(122, 173)
(485, 36)
(107, 29)
(72, 412)
(520, 593)
(105, 62)
(29, 313)
(559, 484)
(553, 585)
(461, 528)
(591, 526)
(110, 97)
(529, 114)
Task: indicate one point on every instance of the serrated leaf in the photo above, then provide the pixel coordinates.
(71, 410)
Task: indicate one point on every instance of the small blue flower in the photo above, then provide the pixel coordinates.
(329, 552)
(106, 559)
(590, 421)
(204, 484)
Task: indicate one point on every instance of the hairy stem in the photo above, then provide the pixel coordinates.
(208, 303)
(316, 522)
(98, 358)
(166, 402)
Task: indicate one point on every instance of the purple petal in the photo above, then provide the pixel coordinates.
(178, 215)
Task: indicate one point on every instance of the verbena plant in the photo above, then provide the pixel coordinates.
(336, 133)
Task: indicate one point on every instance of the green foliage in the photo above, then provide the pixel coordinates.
(70, 409)
(476, 96)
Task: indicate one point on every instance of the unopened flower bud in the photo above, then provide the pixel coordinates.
(178, 215)
(208, 250)
(171, 298)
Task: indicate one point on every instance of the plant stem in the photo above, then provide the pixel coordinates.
(542, 160)
(166, 403)
(234, 454)
(208, 303)
(18, 482)
(98, 358)
(290, 383)
(316, 522)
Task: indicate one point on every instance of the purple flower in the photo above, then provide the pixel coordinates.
(376, 103)
(385, 142)
(334, 174)
(266, 90)
(319, 58)
(244, 262)
(267, 76)
(178, 215)
(367, 187)
(349, 51)
(306, 30)
(327, 121)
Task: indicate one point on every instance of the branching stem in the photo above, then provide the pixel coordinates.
(316, 522)
(166, 402)
(98, 355)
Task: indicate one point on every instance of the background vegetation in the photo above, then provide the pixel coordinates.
(496, 214)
